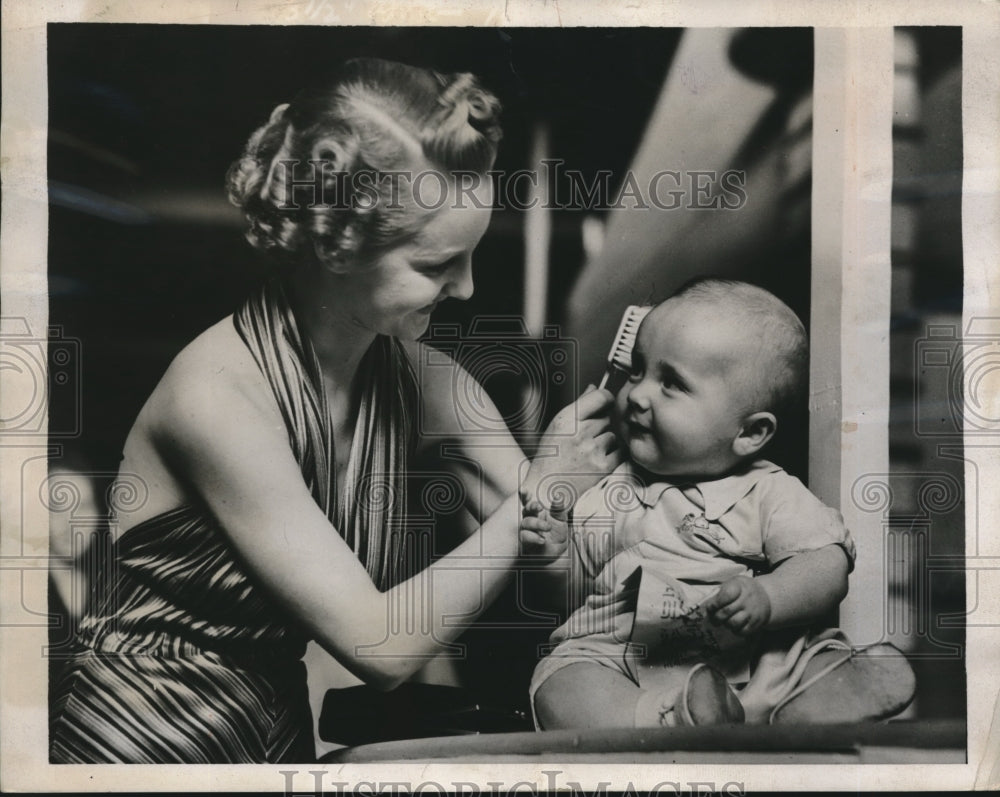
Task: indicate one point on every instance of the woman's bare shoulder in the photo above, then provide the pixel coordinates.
(213, 381)
(213, 378)
(219, 349)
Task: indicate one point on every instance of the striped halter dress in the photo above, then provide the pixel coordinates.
(185, 659)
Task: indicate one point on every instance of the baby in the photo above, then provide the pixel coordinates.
(696, 545)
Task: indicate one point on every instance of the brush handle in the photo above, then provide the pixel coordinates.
(604, 379)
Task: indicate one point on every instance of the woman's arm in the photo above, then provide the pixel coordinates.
(473, 443)
(223, 436)
(464, 431)
(487, 459)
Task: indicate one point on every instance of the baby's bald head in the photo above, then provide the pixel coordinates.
(769, 367)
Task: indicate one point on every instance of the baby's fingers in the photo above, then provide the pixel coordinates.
(533, 508)
(723, 613)
(739, 622)
(533, 543)
(730, 594)
(715, 602)
(536, 524)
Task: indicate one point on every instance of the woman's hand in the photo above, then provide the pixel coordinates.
(576, 451)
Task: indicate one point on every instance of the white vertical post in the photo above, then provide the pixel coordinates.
(851, 278)
(981, 252)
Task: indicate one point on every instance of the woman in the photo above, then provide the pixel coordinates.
(275, 448)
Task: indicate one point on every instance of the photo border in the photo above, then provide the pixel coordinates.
(23, 283)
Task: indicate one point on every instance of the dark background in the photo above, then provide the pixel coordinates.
(145, 120)
(145, 252)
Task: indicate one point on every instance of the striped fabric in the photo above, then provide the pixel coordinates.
(370, 514)
(186, 660)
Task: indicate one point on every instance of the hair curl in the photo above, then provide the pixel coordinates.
(374, 117)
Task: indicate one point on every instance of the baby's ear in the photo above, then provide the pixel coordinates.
(757, 430)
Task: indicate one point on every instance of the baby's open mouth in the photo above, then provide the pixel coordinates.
(635, 428)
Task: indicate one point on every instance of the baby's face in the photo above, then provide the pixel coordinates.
(678, 414)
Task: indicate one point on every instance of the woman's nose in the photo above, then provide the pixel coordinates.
(461, 285)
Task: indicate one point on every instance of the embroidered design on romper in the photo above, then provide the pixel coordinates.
(694, 526)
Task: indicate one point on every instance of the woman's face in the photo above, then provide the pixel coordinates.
(396, 292)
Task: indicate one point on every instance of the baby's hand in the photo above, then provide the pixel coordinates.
(544, 535)
(741, 604)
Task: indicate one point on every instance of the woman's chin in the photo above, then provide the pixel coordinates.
(414, 327)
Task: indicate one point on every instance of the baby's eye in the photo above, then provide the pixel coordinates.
(673, 385)
(435, 269)
(670, 380)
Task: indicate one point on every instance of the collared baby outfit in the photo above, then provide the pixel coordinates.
(646, 557)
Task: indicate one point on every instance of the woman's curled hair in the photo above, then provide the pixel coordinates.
(312, 179)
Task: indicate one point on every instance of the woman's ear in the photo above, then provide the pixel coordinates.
(333, 162)
(331, 262)
(755, 433)
(336, 154)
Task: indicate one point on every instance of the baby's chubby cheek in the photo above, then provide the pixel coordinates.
(618, 423)
(620, 405)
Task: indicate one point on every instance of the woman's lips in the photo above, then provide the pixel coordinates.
(428, 309)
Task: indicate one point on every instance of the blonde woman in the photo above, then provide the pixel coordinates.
(261, 443)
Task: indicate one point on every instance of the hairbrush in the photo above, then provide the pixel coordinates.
(620, 356)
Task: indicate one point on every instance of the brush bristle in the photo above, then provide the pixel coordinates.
(620, 355)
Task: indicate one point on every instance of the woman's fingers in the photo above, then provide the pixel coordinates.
(570, 419)
(613, 459)
(579, 447)
(593, 403)
(606, 441)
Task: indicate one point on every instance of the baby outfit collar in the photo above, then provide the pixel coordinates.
(718, 495)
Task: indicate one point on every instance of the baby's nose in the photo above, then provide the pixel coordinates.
(638, 396)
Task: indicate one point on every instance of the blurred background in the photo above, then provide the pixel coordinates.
(145, 252)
